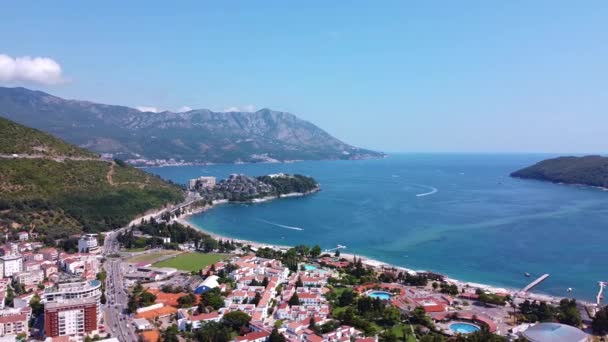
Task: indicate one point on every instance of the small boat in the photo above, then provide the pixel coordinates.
(569, 289)
(527, 274)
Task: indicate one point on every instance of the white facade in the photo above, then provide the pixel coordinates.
(205, 182)
(11, 264)
(71, 322)
(88, 243)
(29, 278)
(62, 292)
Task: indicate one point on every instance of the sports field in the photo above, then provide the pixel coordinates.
(191, 261)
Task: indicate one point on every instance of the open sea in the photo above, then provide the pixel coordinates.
(457, 214)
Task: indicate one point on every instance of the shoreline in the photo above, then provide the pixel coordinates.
(515, 293)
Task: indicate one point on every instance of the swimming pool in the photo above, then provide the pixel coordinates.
(380, 294)
(310, 268)
(463, 328)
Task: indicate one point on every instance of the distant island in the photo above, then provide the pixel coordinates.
(588, 170)
(242, 188)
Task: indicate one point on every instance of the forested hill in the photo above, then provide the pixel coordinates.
(286, 184)
(588, 170)
(196, 136)
(57, 189)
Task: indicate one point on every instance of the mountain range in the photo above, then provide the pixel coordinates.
(195, 136)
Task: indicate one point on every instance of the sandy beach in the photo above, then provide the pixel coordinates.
(367, 261)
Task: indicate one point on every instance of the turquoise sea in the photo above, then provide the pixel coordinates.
(457, 214)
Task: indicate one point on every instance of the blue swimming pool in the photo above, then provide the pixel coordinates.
(310, 268)
(380, 294)
(463, 328)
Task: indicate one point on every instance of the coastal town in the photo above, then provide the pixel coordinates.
(160, 279)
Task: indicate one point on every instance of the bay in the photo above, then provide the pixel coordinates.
(457, 214)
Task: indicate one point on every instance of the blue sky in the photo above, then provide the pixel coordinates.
(427, 76)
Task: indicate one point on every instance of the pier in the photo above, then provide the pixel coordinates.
(535, 283)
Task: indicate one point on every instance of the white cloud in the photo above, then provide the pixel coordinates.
(184, 109)
(245, 108)
(41, 70)
(147, 109)
(231, 109)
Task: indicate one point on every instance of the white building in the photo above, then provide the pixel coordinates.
(195, 321)
(11, 264)
(29, 278)
(75, 289)
(76, 317)
(142, 324)
(24, 236)
(88, 244)
(201, 182)
(14, 324)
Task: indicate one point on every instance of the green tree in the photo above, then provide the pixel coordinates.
(391, 315)
(36, 305)
(213, 332)
(146, 299)
(10, 296)
(388, 336)
(187, 300)
(568, 313)
(276, 336)
(312, 324)
(294, 300)
(315, 251)
(170, 334)
(212, 298)
(256, 299)
(236, 320)
(346, 298)
(600, 321)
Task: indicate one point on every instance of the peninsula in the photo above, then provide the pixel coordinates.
(588, 170)
(244, 189)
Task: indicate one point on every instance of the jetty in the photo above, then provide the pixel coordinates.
(535, 283)
(599, 297)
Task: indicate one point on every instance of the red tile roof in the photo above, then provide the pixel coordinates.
(253, 336)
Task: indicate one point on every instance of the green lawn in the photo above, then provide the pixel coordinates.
(151, 257)
(191, 261)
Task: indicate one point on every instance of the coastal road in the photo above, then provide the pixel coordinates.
(117, 321)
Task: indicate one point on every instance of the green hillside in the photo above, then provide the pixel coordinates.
(60, 194)
(15, 138)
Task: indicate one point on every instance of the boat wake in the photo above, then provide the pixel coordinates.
(433, 191)
(281, 225)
